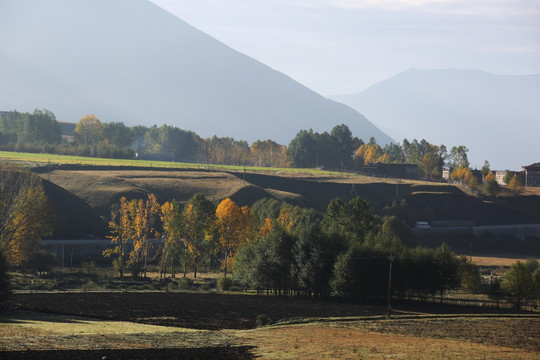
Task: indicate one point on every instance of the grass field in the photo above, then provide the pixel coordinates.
(53, 159)
(403, 337)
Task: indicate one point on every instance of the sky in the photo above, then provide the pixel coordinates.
(337, 47)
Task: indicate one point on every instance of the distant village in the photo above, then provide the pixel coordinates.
(529, 176)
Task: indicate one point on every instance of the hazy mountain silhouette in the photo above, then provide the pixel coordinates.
(131, 61)
(496, 116)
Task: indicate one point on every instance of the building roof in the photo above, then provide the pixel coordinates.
(535, 166)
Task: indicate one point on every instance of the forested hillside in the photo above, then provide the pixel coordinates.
(338, 149)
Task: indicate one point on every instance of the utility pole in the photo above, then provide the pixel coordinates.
(391, 258)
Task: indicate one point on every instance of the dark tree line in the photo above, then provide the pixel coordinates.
(343, 252)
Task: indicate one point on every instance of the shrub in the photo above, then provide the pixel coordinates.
(519, 285)
(135, 268)
(262, 320)
(491, 187)
(42, 261)
(224, 283)
(119, 265)
(185, 284)
(180, 284)
(89, 267)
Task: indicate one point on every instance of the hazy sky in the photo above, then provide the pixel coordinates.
(343, 46)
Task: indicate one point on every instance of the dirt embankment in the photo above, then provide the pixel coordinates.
(82, 197)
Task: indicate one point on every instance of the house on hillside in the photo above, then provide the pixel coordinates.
(499, 176)
(531, 174)
(446, 173)
(398, 171)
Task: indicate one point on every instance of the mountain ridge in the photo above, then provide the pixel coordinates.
(474, 108)
(96, 57)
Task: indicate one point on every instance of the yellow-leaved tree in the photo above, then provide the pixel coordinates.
(25, 216)
(144, 229)
(233, 226)
(132, 222)
(171, 250)
(89, 130)
(515, 184)
(121, 234)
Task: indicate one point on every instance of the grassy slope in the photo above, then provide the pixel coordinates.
(101, 182)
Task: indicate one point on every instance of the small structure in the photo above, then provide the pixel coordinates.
(532, 174)
(446, 173)
(154, 157)
(499, 176)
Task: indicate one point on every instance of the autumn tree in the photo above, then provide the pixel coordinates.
(515, 184)
(172, 252)
(89, 130)
(121, 233)
(198, 216)
(464, 176)
(270, 153)
(233, 225)
(485, 169)
(368, 154)
(25, 216)
(132, 221)
(144, 228)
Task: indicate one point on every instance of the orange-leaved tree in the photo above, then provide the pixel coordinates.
(233, 226)
(25, 215)
(515, 184)
(369, 153)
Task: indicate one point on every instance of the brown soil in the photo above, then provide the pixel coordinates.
(227, 352)
(188, 310)
(416, 333)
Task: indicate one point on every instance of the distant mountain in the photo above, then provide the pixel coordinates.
(131, 61)
(496, 116)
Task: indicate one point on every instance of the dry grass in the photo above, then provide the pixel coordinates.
(19, 322)
(316, 341)
(400, 338)
(101, 189)
(497, 261)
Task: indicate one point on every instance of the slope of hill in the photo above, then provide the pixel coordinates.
(131, 61)
(495, 116)
(82, 196)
